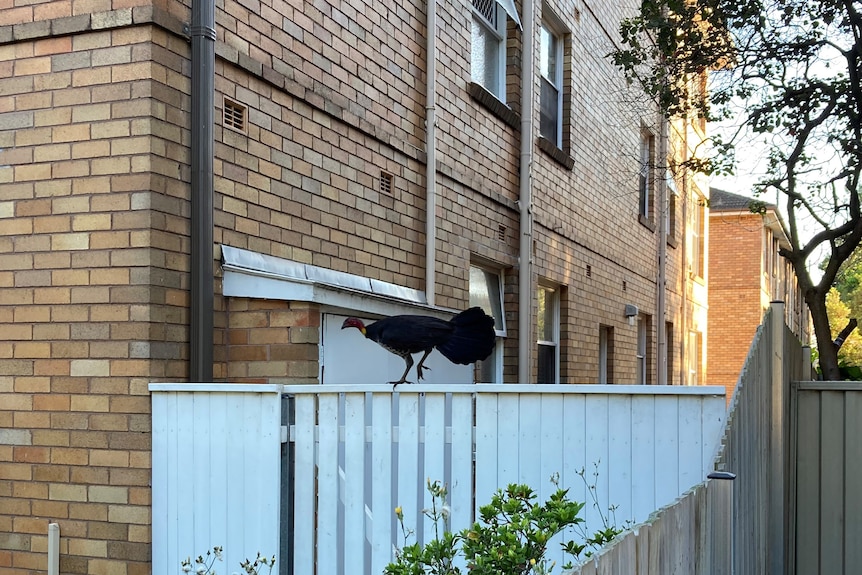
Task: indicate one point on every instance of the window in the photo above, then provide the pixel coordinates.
(643, 361)
(672, 194)
(695, 343)
(697, 228)
(646, 178)
(668, 338)
(551, 98)
(486, 291)
(488, 47)
(548, 337)
(606, 354)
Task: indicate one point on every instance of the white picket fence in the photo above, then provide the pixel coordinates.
(353, 453)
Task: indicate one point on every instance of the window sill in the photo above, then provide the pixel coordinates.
(646, 222)
(498, 108)
(671, 241)
(556, 153)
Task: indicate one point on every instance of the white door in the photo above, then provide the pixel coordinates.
(348, 357)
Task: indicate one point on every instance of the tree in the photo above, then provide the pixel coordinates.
(849, 349)
(848, 283)
(790, 72)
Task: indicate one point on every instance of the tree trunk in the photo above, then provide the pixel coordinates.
(827, 351)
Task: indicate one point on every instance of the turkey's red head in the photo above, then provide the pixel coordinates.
(354, 322)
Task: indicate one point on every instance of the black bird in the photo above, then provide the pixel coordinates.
(466, 338)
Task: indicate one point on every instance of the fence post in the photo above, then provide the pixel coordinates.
(778, 436)
(807, 369)
(721, 523)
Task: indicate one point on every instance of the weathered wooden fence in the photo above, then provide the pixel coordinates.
(756, 446)
(352, 453)
(684, 537)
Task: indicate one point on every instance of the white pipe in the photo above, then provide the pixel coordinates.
(431, 154)
(53, 549)
(525, 270)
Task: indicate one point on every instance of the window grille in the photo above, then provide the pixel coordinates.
(488, 10)
(234, 115)
(386, 182)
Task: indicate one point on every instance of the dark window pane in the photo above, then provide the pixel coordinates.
(547, 364)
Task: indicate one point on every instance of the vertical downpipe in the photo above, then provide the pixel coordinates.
(431, 154)
(53, 549)
(661, 296)
(202, 102)
(525, 201)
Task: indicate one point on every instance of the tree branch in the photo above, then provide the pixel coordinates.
(845, 333)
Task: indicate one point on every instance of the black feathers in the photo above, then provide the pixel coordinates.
(466, 338)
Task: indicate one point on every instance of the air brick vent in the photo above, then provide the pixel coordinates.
(386, 182)
(234, 115)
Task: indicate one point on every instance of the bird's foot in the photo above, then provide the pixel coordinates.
(419, 369)
(395, 383)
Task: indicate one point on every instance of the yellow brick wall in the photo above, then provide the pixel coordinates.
(93, 285)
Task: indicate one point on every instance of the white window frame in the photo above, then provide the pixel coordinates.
(605, 336)
(554, 77)
(693, 359)
(552, 297)
(698, 239)
(641, 373)
(496, 30)
(493, 366)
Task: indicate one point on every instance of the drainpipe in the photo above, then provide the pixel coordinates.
(661, 299)
(685, 328)
(525, 202)
(431, 154)
(661, 280)
(203, 34)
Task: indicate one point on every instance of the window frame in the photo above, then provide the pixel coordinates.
(497, 30)
(646, 176)
(554, 317)
(606, 354)
(695, 349)
(493, 365)
(697, 231)
(551, 28)
(642, 376)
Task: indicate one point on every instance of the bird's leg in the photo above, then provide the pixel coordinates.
(420, 367)
(408, 359)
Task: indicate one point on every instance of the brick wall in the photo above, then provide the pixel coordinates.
(735, 310)
(94, 231)
(93, 286)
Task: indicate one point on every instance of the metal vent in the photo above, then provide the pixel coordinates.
(234, 115)
(589, 271)
(386, 182)
(488, 9)
(624, 285)
(501, 233)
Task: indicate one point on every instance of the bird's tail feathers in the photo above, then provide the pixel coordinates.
(473, 339)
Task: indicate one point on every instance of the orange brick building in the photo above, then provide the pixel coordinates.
(746, 273)
(548, 209)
